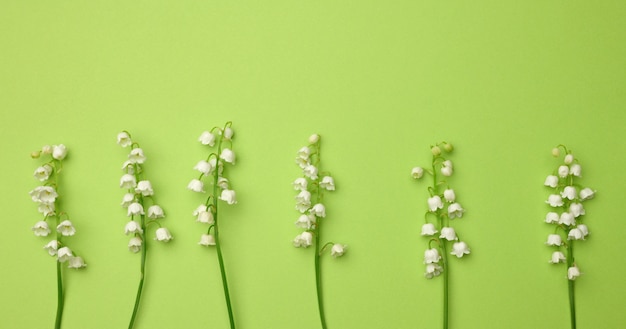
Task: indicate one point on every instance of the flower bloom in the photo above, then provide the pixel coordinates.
(432, 270)
(455, 211)
(551, 181)
(145, 188)
(203, 167)
(569, 192)
(552, 217)
(128, 181)
(47, 209)
(43, 173)
(303, 201)
(41, 228)
(576, 209)
(417, 172)
(127, 199)
(205, 217)
(305, 239)
(446, 171)
(586, 194)
(554, 240)
(136, 156)
(76, 262)
(310, 171)
(66, 228)
(428, 229)
(300, 184)
(575, 234)
(431, 256)
(52, 247)
(449, 195)
(319, 210)
(162, 234)
(59, 152)
(207, 138)
(459, 249)
(207, 240)
(557, 257)
(134, 209)
(574, 170)
(228, 133)
(132, 227)
(155, 212)
(583, 229)
(337, 250)
(563, 171)
(567, 219)
(448, 233)
(123, 139)
(435, 203)
(64, 254)
(304, 153)
(328, 183)
(228, 155)
(306, 221)
(228, 196)
(134, 244)
(196, 185)
(555, 200)
(44, 194)
(573, 272)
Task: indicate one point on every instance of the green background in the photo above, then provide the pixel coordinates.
(504, 81)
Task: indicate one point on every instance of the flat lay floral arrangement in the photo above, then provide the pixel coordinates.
(442, 210)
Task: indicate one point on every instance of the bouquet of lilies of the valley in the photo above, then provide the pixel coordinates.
(47, 198)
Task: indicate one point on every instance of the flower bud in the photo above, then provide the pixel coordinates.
(568, 159)
(436, 150)
(448, 147)
(314, 138)
(555, 152)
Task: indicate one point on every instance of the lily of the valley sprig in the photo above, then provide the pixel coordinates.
(309, 202)
(47, 199)
(443, 207)
(141, 208)
(212, 171)
(566, 202)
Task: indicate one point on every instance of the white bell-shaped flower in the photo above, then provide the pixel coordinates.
(448, 233)
(135, 209)
(575, 234)
(59, 152)
(569, 158)
(123, 139)
(207, 240)
(76, 262)
(555, 200)
(134, 244)
(432, 270)
(136, 156)
(128, 181)
(327, 183)
(127, 199)
(459, 249)
(305, 221)
(310, 171)
(577, 209)
(431, 256)
(66, 228)
(228, 156)
(429, 229)
(163, 234)
(51, 247)
(552, 217)
(551, 181)
(586, 194)
(204, 167)
(583, 229)
(228, 196)
(417, 172)
(64, 254)
(41, 228)
(573, 272)
(132, 227)
(304, 239)
(155, 212)
(435, 203)
(557, 257)
(449, 195)
(196, 185)
(318, 210)
(563, 171)
(569, 192)
(337, 250)
(300, 184)
(43, 173)
(575, 170)
(145, 188)
(455, 211)
(554, 240)
(207, 138)
(567, 218)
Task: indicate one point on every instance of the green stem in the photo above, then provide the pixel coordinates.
(60, 297)
(318, 278)
(444, 258)
(570, 285)
(144, 253)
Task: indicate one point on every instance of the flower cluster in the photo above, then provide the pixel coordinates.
(212, 169)
(442, 207)
(46, 197)
(139, 194)
(311, 187)
(566, 210)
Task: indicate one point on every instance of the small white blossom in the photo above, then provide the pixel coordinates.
(228, 155)
(551, 181)
(575, 234)
(66, 228)
(557, 257)
(43, 173)
(455, 211)
(302, 162)
(196, 185)
(155, 211)
(44, 194)
(435, 203)
(337, 250)
(575, 170)
(319, 210)
(552, 217)
(59, 152)
(222, 182)
(569, 192)
(41, 228)
(47, 209)
(145, 188)
(569, 158)
(328, 183)
(128, 181)
(555, 200)
(305, 239)
(428, 229)
(310, 171)
(136, 156)
(300, 184)
(459, 249)
(129, 167)
(563, 171)
(228, 133)
(207, 240)
(448, 233)
(64, 254)
(583, 229)
(306, 221)
(46, 149)
(52, 247)
(573, 272)
(134, 244)
(134, 209)
(446, 171)
(207, 138)
(567, 219)
(163, 235)
(586, 194)
(576, 209)
(449, 195)
(205, 217)
(432, 270)
(431, 256)
(204, 167)
(127, 199)
(123, 139)
(303, 201)
(228, 196)
(304, 153)
(132, 227)
(417, 172)
(554, 240)
(76, 262)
